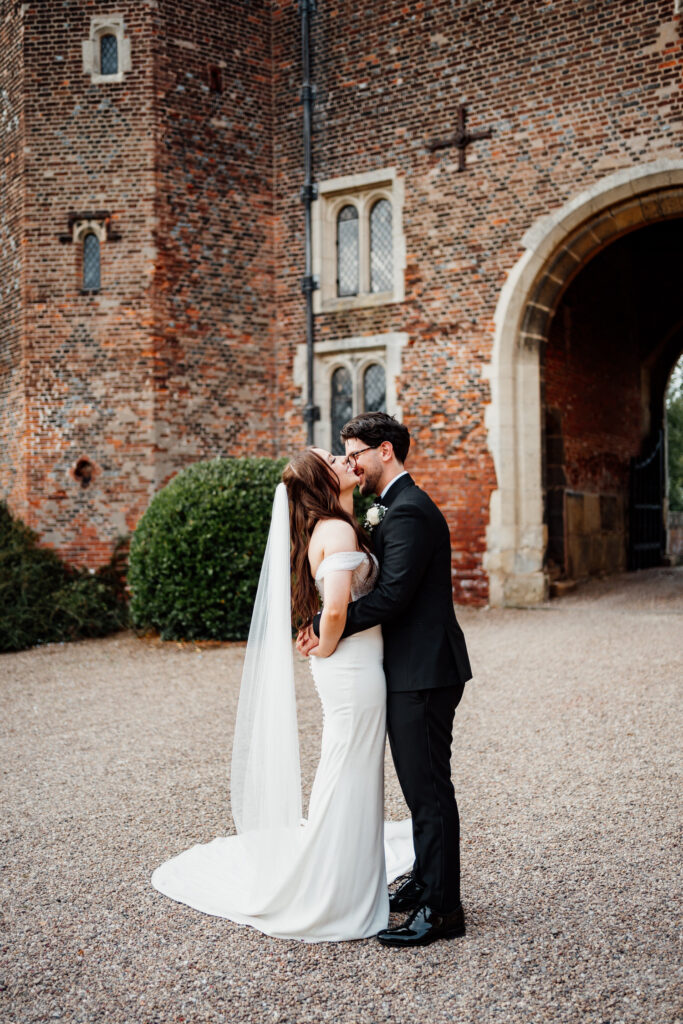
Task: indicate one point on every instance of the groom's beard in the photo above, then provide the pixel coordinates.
(370, 483)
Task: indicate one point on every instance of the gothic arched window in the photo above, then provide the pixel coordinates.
(109, 54)
(91, 262)
(347, 251)
(381, 248)
(374, 389)
(341, 404)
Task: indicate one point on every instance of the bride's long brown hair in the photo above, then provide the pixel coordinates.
(313, 491)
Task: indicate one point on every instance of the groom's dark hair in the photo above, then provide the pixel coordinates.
(374, 427)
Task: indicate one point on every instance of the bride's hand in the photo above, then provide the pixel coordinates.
(306, 641)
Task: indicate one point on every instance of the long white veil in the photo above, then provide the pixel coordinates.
(265, 777)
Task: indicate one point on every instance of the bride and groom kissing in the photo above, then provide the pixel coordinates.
(387, 657)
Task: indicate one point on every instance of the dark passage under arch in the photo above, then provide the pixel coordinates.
(614, 337)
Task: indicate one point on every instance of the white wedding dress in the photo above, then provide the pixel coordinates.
(325, 879)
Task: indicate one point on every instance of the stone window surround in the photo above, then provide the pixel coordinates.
(355, 354)
(81, 228)
(102, 25)
(97, 222)
(361, 191)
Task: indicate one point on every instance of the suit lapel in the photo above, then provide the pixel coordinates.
(396, 489)
(391, 496)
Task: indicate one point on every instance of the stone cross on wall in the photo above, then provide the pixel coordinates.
(460, 138)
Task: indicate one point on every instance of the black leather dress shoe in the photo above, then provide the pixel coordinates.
(407, 897)
(424, 926)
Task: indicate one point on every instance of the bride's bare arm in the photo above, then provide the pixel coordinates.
(333, 618)
(334, 536)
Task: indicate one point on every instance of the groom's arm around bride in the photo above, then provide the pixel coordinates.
(413, 602)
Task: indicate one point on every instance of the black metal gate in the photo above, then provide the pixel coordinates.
(647, 537)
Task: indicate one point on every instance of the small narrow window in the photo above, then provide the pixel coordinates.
(341, 405)
(347, 251)
(109, 55)
(381, 248)
(91, 263)
(374, 389)
(215, 79)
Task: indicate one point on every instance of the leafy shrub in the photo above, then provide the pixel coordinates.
(361, 505)
(196, 554)
(42, 600)
(674, 417)
(94, 604)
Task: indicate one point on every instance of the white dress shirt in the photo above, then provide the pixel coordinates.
(392, 482)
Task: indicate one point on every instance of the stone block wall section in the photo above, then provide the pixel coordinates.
(572, 91)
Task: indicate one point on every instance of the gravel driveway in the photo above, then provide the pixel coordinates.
(115, 756)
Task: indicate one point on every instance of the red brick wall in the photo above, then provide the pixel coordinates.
(592, 380)
(12, 155)
(213, 296)
(172, 360)
(572, 90)
(85, 366)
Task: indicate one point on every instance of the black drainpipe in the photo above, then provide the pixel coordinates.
(309, 192)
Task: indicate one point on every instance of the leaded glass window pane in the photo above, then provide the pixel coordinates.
(381, 248)
(374, 389)
(341, 405)
(347, 251)
(109, 55)
(91, 262)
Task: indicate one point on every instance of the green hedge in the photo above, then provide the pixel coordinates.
(42, 600)
(361, 505)
(196, 554)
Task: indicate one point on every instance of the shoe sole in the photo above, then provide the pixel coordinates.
(456, 933)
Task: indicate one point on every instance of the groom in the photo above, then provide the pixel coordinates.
(426, 667)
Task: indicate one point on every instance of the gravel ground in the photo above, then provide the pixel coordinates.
(115, 756)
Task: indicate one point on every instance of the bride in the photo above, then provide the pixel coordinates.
(323, 878)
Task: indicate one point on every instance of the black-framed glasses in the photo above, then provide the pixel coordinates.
(352, 458)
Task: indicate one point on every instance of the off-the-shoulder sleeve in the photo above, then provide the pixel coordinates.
(340, 560)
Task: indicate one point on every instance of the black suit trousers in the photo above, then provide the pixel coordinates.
(420, 728)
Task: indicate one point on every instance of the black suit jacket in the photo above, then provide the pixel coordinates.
(424, 646)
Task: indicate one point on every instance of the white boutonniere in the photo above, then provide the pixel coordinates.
(374, 516)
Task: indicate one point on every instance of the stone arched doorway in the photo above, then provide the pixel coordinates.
(558, 250)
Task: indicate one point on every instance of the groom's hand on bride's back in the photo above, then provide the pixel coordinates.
(306, 641)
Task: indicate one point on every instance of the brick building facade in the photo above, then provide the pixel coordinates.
(525, 318)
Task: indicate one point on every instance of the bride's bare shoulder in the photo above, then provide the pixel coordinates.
(329, 537)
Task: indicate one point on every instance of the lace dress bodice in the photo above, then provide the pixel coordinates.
(362, 581)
